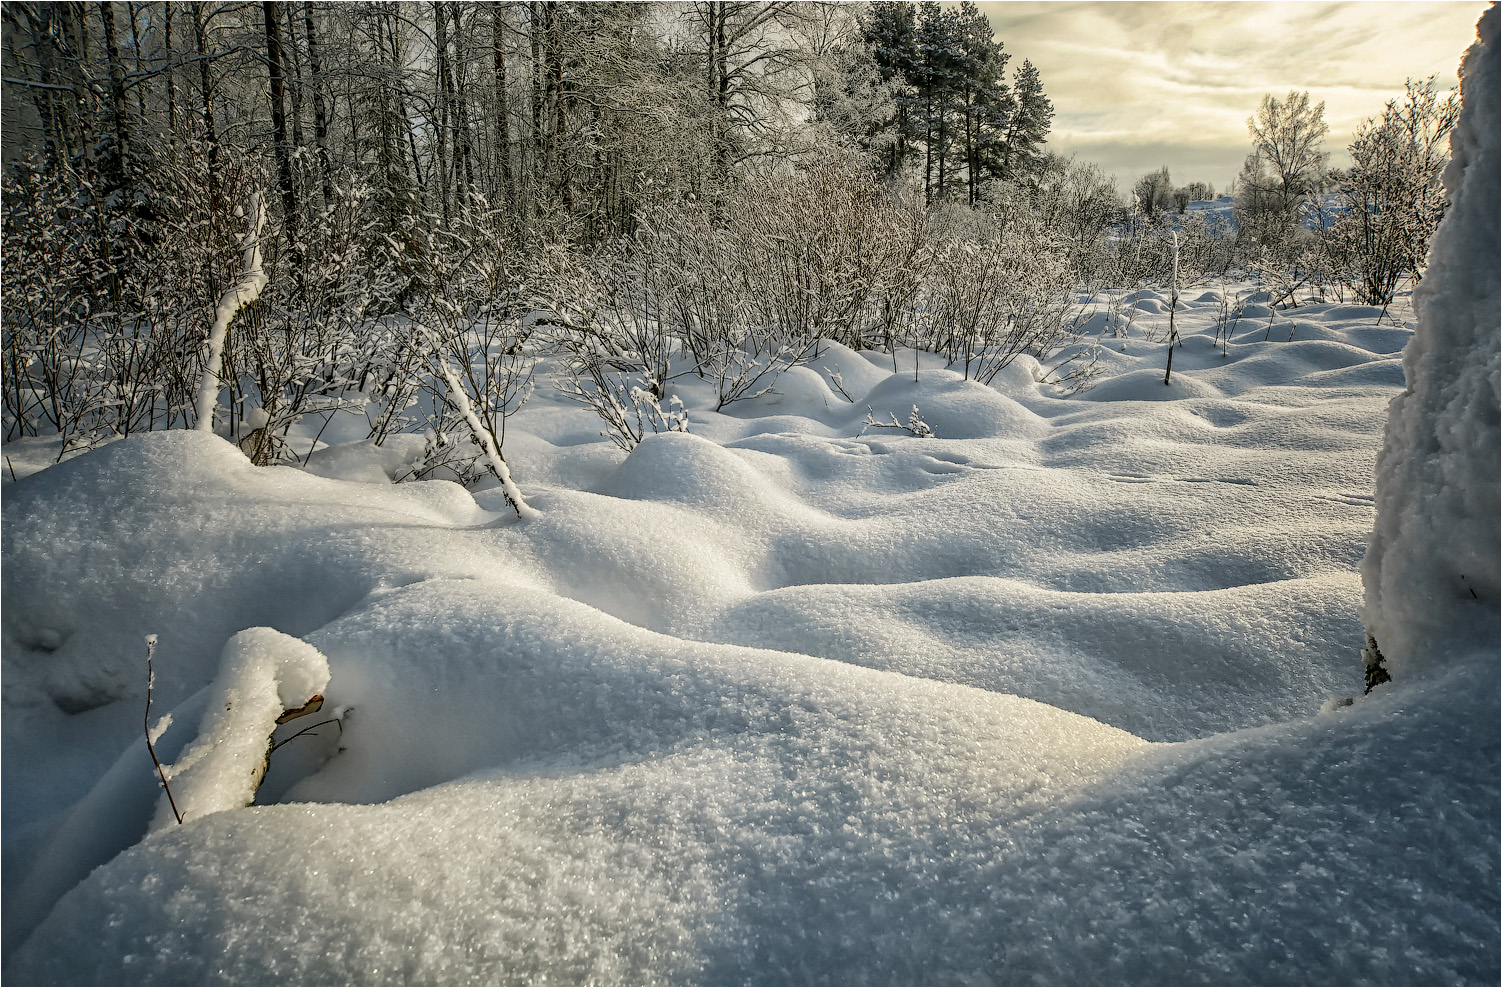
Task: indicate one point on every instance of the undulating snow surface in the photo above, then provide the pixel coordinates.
(1043, 698)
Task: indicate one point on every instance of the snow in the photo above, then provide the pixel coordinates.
(783, 699)
(1431, 574)
(1068, 692)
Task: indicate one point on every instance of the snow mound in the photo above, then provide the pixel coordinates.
(798, 391)
(1146, 384)
(682, 468)
(187, 520)
(366, 463)
(955, 408)
(868, 840)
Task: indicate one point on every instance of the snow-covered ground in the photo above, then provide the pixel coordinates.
(1052, 696)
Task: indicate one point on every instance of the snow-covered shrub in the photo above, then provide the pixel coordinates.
(1206, 244)
(694, 279)
(815, 248)
(109, 302)
(617, 355)
(631, 408)
(1079, 202)
(906, 247)
(470, 325)
(108, 297)
(616, 311)
(999, 287)
(1299, 269)
(1431, 567)
(1142, 252)
(915, 425)
(320, 340)
(700, 290)
(45, 325)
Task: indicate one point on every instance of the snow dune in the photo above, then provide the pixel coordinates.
(787, 699)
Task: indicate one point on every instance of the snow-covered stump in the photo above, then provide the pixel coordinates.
(1431, 567)
(264, 676)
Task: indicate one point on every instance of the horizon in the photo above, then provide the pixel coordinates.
(1138, 85)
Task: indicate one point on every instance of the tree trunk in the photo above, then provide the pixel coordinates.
(320, 114)
(928, 136)
(118, 112)
(170, 77)
(294, 74)
(135, 43)
(539, 145)
(279, 133)
(441, 38)
(52, 107)
(210, 135)
(560, 133)
(463, 133)
(502, 102)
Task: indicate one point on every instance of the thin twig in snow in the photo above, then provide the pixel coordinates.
(150, 741)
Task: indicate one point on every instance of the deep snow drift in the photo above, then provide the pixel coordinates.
(1041, 698)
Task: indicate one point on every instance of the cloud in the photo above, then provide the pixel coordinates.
(1139, 85)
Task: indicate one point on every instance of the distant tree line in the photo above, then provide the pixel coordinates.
(585, 111)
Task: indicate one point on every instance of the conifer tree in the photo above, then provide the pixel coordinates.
(890, 30)
(1020, 151)
(985, 98)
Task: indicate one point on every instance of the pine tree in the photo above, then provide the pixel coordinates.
(985, 98)
(1020, 151)
(890, 30)
(948, 75)
(938, 83)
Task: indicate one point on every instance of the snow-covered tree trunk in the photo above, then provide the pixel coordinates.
(243, 292)
(1173, 308)
(1431, 568)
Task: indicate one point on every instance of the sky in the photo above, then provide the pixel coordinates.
(1136, 86)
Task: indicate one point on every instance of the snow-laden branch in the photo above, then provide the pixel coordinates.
(459, 398)
(243, 292)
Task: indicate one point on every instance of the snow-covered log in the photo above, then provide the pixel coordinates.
(263, 674)
(1431, 567)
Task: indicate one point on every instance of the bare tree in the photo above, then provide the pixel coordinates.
(1285, 168)
(1392, 194)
